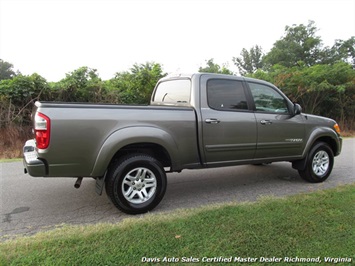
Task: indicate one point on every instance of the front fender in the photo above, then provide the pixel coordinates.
(325, 134)
(133, 135)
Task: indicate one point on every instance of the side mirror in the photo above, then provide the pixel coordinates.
(297, 109)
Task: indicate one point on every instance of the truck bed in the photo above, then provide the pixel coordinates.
(82, 132)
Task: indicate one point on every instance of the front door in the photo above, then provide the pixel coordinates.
(280, 133)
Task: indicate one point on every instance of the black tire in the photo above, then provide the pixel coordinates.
(261, 164)
(319, 163)
(136, 183)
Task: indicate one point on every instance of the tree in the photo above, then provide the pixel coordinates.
(17, 96)
(300, 43)
(322, 89)
(80, 85)
(250, 61)
(215, 68)
(341, 51)
(347, 50)
(136, 85)
(6, 70)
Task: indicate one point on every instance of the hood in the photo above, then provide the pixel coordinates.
(319, 119)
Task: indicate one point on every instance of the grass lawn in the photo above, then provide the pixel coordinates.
(10, 160)
(317, 227)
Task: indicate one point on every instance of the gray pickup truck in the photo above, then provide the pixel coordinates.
(194, 121)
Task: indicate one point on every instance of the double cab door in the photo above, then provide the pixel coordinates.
(243, 120)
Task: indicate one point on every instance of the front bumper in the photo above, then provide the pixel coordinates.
(340, 146)
(32, 164)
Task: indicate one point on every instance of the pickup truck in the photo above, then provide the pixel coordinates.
(194, 121)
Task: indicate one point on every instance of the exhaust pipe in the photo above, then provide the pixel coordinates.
(78, 182)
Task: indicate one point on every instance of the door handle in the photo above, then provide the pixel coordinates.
(265, 122)
(212, 121)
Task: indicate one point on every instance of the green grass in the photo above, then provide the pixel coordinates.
(319, 224)
(10, 160)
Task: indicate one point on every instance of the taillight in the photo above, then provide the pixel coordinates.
(42, 130)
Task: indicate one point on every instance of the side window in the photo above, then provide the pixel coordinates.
(173, 91)
(267, 99)
(226, 95)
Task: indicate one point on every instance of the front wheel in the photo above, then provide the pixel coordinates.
(136, 183)
(319, 163)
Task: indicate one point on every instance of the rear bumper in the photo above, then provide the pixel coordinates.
(32, 165)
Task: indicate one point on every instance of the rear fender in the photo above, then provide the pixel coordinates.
(132, 135)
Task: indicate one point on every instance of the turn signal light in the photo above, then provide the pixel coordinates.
(42, 130)
(337, 128)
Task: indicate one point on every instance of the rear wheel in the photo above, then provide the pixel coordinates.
(136, 183)
(319, 163)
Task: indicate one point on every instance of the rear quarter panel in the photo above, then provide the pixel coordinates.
(84, 137)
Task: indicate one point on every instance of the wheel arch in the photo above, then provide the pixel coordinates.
(155, 150)
(146, 140)
(325, 135)
(330, 141)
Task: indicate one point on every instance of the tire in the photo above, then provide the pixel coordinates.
(136, 183)
(261, 164)
(319, 163)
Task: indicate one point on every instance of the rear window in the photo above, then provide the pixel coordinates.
(173, 92)
(226, 95)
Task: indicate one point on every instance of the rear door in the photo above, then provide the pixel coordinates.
(228, 125)
(280, 134)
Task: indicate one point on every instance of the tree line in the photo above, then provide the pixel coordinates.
(321, 79)
(19, 92)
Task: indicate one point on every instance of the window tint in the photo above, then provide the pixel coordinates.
(226, 95)
(267, 99)
(173, 91)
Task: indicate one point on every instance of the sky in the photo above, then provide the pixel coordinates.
(55, 37)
